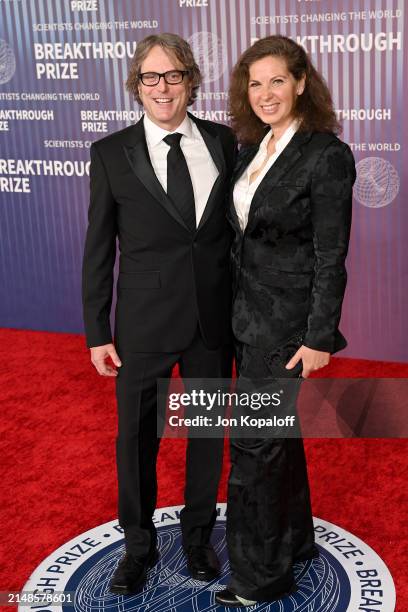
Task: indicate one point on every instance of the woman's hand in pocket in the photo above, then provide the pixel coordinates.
(311, 359)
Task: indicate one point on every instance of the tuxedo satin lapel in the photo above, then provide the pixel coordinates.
(137, 155)
(213, 143)
(214, 146)
(289, 156)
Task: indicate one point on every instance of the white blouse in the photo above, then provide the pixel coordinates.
(244, 190)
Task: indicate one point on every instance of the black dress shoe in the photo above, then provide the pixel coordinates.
(130, 575)
(202, 563)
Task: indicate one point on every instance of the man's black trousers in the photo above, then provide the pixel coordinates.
(137, 446)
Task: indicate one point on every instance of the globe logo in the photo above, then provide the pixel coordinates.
(83, 567)
(210, 55)
(377, 182)
(7, 62)
(322, 583)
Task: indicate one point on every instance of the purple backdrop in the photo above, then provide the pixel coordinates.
(62, 71)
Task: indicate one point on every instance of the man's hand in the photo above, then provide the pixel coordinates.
(311, 360)
(98, 356)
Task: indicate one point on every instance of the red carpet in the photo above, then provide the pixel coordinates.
(58, 473)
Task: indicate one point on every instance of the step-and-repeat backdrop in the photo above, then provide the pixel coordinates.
(63, 64)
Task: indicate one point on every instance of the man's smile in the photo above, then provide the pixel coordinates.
(163, 100)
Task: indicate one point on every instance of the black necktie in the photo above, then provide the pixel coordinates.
(179, 185)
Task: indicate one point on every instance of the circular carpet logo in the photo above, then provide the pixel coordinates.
(347, 576)
(7, 62)
(377, 182)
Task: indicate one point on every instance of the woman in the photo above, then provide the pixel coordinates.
(291, 213)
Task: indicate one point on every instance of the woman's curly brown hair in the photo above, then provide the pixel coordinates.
(174, 46)
(313, 108)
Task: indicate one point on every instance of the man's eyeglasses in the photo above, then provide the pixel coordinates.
(172, 77)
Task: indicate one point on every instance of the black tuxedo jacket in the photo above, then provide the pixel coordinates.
(289, 264)
(170, 280)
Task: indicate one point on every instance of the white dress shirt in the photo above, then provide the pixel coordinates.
(203, 171)
(244, 190)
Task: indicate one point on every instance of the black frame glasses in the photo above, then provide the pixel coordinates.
(179, 76)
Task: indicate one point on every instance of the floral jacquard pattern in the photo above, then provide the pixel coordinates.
(289, 264)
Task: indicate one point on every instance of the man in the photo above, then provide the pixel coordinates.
(159, 187)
